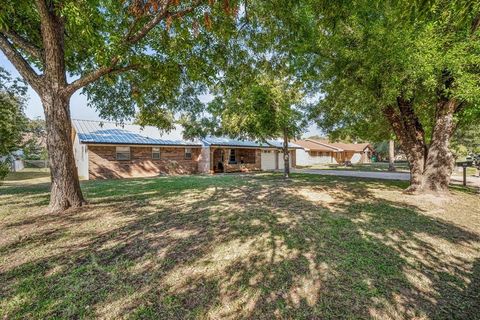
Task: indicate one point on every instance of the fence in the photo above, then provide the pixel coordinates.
(17, 165)
(36, 163)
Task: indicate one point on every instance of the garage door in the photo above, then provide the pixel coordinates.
(281, 161)
(268, 160)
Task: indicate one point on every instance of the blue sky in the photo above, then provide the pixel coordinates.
(78, 104)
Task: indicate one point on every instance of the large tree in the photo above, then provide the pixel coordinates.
(411, 66)
(263, 107)
(133, 58)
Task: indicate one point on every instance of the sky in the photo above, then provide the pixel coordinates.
(79, 107)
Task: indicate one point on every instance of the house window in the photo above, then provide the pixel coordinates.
(188, 153)
(123, 153)
(156, 153)
(233, 157)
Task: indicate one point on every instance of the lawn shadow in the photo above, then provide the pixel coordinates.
(243, 247)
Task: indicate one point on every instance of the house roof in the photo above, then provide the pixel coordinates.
(352, 146)
(322, 145)
(316, 146)
(101, 132)
(228, 142)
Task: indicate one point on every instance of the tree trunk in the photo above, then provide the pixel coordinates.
(410, 133)
(65, 190)
(440, 160)
(286, 156)
(416, 159)
(391, 156)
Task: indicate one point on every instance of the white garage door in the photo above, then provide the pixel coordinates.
(268, 160)
(356, 158)
(281, 161)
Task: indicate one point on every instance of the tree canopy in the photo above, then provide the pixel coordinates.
(12, 118)
(406, 67)
(134, 58)
(382, 50)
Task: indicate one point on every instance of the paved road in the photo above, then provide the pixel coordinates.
(471, 180)
(360, 174)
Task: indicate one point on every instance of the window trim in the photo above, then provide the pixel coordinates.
(117, 152)
(156, 152)
(188, 151)
(234, 157)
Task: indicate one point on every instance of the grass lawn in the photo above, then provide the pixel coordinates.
(239, 246)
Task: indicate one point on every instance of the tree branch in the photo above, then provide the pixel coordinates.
(129, 40)
(475, 23)
(44, 13)
(95, 75)
(162, 13)
(23, 67)
(23, 44)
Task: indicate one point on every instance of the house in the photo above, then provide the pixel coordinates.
(314, 151)
(106, 150)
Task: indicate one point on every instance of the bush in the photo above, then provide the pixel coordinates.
(4, 170)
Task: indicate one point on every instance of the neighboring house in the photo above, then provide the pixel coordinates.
(105, 150)
(321, 152)
(314, 152)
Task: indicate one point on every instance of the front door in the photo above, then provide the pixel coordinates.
(218, 157)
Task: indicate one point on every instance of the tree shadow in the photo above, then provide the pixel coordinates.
(242, 247)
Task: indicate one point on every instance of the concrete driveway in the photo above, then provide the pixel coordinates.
(360, 174)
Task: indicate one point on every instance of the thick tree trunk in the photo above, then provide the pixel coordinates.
(416, 159)
(410, 133)
(286, 156)
(440, 160)
(391, 156)
(65, 190)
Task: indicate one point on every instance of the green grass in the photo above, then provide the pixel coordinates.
(31, 175)
(239, 246)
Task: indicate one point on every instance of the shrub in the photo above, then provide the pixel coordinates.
(4, 169)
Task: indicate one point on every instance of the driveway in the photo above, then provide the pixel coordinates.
(359, 174)
(472, 181)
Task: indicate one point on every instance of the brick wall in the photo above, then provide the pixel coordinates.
(251, 157)
(103, 164)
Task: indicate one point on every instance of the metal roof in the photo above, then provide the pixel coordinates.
(227, 142)
(101, 132)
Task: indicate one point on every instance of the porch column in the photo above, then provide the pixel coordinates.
(212, 160)
(226, 157)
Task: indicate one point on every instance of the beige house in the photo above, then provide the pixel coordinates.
(315, 151)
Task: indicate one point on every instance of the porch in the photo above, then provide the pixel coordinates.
(224, 159)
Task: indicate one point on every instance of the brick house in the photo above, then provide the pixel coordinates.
(105, 150)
